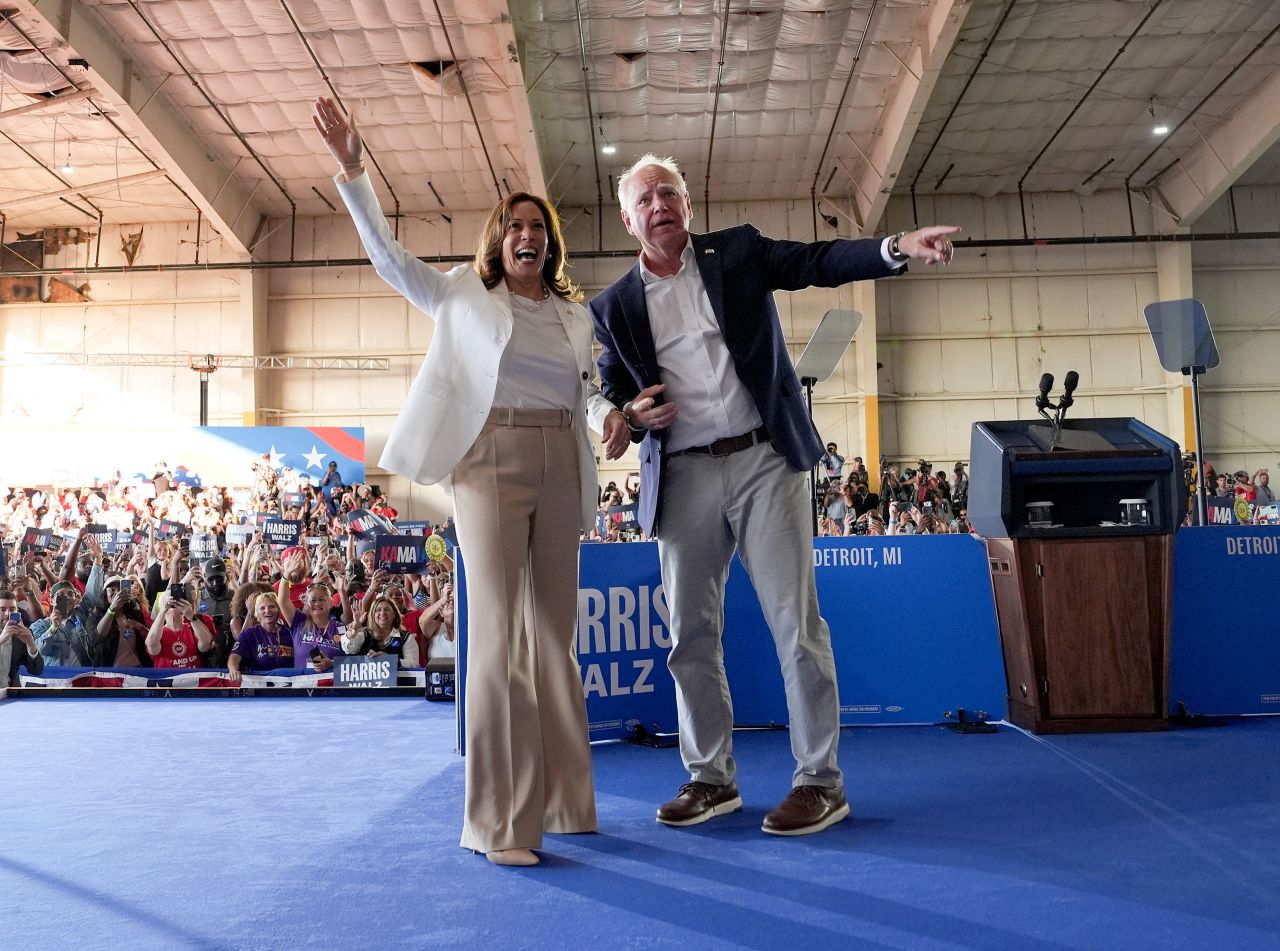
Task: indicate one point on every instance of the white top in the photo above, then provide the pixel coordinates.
(441, 647)
(537, 369)
(693, 359)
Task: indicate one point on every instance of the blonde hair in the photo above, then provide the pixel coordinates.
(645, 161)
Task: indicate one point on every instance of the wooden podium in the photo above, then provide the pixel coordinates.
(1084, 627)
(1083, 602)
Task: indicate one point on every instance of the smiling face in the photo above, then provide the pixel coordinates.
(656, 208)
(524, 244)
(267, 610)
(383, 616)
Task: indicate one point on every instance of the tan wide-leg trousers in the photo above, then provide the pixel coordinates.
(528, 763)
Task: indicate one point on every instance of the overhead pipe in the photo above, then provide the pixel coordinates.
(715, 112)
(209, 101)
(1088, 92)
(835, 119)
(325, 76)
(591, 119)
(462, 80)
(1185, 119)
(961, 245)
(973, 73)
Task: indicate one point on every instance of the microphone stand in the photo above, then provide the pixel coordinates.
(808, 383)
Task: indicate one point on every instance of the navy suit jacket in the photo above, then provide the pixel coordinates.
(741, 268)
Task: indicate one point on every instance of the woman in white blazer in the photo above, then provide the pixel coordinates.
(498, 413)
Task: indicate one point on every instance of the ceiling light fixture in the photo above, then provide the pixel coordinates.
(1157, 127)
(608, 148)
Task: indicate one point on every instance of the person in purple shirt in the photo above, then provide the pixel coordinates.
(317, 634)
(267, 645)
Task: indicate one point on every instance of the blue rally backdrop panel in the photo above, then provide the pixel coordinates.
(1225, 653)
(623, 639)
(913, 627)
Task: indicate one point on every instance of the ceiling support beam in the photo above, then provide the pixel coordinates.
(1223, 154)
(51, 103)
(884, 156)
(514, 76)
(124, 182)
(165, 135)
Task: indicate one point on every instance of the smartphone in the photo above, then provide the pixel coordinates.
(15, 617)
(178, 592)
(928, 508)
(184, 543)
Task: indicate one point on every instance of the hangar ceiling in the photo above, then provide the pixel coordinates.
(126, 111)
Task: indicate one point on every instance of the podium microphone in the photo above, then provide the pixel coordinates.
(1042, 401)
(1069, 384)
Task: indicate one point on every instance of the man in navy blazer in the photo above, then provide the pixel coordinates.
(694, 349)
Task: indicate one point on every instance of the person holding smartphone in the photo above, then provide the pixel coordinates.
(124, 626)
(178, 636)
(17, 643)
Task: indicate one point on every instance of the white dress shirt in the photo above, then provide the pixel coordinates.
(693, 360)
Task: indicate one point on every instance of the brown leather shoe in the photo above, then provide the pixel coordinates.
(807, 809)
(698, 802)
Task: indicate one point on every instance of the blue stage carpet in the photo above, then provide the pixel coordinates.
(334, 824)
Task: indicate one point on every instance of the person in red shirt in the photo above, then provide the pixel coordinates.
(178, 636)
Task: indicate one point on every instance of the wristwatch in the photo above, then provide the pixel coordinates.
(894, 251)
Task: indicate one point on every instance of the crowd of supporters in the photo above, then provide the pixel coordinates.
(68, 600)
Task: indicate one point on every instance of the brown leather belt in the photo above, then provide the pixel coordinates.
(546, 418)
(728, 445)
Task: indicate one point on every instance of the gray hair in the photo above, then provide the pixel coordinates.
(645, 161)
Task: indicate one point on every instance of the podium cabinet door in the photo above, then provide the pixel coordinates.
(1098, 633)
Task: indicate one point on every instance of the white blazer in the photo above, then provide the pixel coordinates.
(453, 392)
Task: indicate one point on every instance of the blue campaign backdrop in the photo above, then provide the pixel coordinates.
(912, 620)
(913, 628)
(1225, 637)
(623, 640)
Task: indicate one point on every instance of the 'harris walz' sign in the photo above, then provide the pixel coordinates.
(401, 554)
(281, 532)
(364, 671)
(204, 546)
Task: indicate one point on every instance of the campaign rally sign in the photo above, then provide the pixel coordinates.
(1230, 511)
(401, 554)
(105, 537)
(125, 537)
(413, 528)
(364, 671)
(37, 538)
(625, 517)
(281, 532)
(240, 534)
(291, 500)
(168, 529)
(363, 523)
(204, 546)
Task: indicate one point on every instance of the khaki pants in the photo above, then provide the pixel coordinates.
(528, 763)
